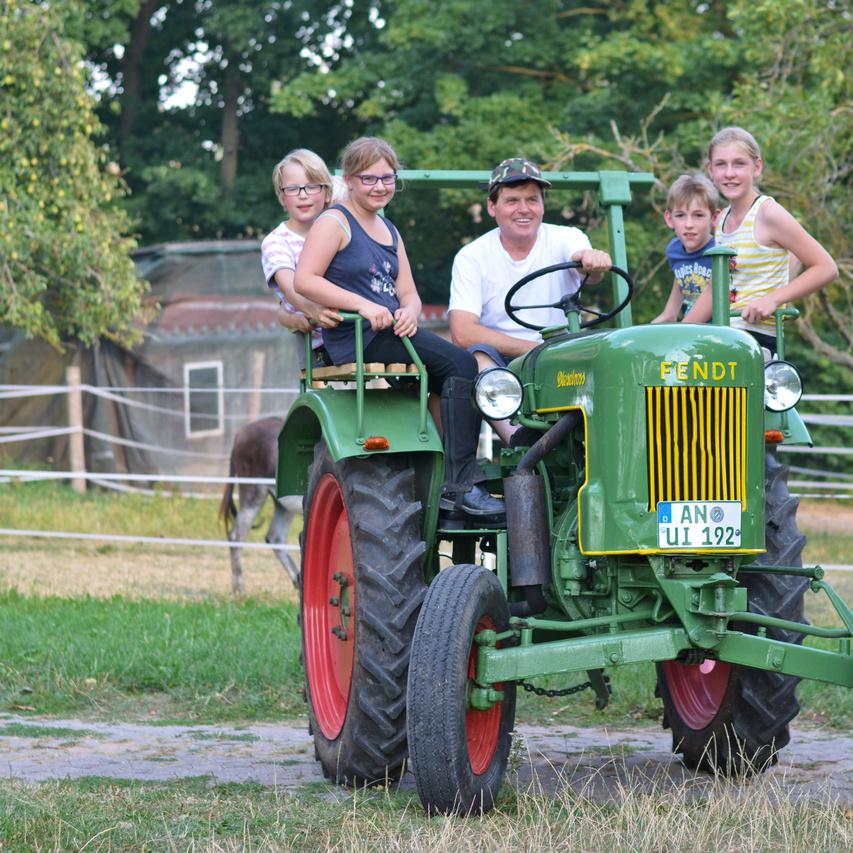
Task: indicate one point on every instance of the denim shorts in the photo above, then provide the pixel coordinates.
(491, 352)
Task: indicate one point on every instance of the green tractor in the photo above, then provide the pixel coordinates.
(647, 520)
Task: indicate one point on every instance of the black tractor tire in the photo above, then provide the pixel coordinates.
(733, 720)
(362, 587)
(458, 754)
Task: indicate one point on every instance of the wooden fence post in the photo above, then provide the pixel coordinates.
(76, 451)
(255, 381)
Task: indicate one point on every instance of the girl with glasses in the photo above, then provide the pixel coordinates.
(304, 188)
(355, 260)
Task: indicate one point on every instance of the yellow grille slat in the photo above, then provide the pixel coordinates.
(696, 443)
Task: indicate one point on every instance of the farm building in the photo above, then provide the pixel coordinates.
(213, 359)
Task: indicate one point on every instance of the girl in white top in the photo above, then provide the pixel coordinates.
(305, 189)
(764, 234)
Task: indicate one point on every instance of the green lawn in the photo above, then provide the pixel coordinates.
(199, 661)
(208, 658)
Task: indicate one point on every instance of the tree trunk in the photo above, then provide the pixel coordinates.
(230, 131)
(131, 68)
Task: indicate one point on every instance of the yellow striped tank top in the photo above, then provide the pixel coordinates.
(758, 269)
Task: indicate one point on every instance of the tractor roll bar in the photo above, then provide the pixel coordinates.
(614, 192)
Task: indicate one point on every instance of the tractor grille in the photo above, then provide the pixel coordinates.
(696, 441)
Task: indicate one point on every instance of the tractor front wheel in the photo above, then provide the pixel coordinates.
(362, 586)
(733, 719)
(458, 748)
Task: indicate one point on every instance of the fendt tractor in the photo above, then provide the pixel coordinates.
(649, 519)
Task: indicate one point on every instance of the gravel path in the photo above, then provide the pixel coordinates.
(596, 760)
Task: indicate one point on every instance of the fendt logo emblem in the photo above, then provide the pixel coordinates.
(683, 371)
(570, 380)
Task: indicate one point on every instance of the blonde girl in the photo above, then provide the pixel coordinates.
(763, 234)
(304, 189)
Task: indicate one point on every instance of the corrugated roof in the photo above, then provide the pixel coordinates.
(216, 287)
(189, 315)
(197, 247)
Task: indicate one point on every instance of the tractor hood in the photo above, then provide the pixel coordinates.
(672, 413)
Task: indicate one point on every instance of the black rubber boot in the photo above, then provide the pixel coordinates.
(462, 498)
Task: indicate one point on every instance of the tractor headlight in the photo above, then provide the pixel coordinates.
(782, 386)
(497, 393)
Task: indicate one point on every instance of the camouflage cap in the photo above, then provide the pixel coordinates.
(516, 170)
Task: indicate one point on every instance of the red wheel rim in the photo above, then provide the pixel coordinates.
(482, 728)
(697, 690)
(328, 606)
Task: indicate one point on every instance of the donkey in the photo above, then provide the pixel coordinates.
(254, 454)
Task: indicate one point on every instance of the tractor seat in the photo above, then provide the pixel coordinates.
(347, 373)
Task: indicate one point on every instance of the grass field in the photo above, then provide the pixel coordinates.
(99, 814)
(151, 633)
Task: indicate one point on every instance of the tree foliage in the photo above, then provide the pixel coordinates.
(466, 83)
(187, 106)
(793, 95)
(799, 104)
(583, 84)
(64, 250)
(638, 85)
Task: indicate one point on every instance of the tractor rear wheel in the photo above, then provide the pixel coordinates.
(458, 752)
(362, 587)
(734, 719)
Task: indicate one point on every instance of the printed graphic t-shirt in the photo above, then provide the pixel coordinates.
(692, 271)
(368, 268)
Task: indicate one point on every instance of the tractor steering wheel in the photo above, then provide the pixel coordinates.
(568, 303)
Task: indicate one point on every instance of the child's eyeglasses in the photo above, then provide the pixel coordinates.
(372, 180)
(310, 189)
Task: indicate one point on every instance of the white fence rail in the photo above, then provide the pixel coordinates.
(838, 486)
(152, 540)
(77, 432)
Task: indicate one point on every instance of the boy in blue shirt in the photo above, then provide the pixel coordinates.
(692, 208)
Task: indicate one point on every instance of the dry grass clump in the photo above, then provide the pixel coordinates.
(615, 808)
(646, 818)
(636, 814)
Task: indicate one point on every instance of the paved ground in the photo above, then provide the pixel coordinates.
(598, 761)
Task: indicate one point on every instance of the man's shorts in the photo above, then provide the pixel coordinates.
(491, 352)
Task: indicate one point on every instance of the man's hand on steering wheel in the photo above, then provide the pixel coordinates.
(594, 263)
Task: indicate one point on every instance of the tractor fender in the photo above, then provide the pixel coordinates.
(331, 415)
(790, 424)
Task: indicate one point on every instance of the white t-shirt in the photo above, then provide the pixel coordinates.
(280, 250)
(483, 273)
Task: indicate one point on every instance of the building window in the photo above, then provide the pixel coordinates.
(203, 398)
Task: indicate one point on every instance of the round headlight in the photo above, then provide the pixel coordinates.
(782, 386)
(497, 393)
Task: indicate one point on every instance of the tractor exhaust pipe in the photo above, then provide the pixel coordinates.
(527, 521)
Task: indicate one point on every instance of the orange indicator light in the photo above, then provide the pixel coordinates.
(376, 442)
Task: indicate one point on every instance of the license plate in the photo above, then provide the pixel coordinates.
(699, 524)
